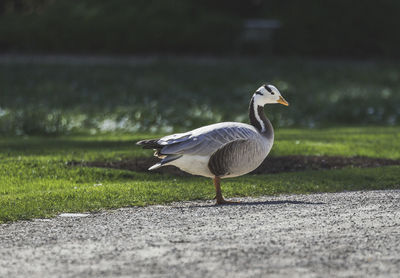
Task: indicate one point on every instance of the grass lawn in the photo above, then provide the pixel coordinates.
(35, 180)
(45, 103)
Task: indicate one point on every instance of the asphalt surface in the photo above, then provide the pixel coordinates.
(350, 234)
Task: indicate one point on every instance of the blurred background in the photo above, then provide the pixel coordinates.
(160, 66)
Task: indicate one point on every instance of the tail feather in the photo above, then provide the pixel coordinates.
(153, 144)
(149, 144)
(164, 161)
(155, 166)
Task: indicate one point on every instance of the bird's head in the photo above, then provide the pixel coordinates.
(268, 94)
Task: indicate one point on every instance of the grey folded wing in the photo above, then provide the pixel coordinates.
(205, 141)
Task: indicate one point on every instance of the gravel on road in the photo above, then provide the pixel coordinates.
(349, 234)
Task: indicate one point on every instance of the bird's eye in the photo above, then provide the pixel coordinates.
(272, 93)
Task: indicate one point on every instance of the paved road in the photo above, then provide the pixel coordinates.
(352, 234)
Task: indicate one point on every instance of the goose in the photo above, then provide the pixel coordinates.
(221, 150)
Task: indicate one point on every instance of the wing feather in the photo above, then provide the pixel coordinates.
(208, 139)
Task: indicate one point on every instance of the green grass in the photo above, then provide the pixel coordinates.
(381, 142)
(143, 98)
(35, 180)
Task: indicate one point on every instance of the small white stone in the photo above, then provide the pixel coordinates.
(74, 214)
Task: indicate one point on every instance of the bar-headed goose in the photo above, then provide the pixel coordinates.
(222, 150)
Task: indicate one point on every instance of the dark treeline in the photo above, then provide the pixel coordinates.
(357, 28)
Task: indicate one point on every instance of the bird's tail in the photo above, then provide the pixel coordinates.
(153, 144)
(167, 159)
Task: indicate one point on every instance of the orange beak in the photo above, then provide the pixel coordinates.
(281, 100)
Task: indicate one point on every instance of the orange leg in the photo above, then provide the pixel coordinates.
(218, 193)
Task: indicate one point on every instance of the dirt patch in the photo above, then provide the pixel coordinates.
(278, 164)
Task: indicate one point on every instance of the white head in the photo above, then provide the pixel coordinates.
(268, 94)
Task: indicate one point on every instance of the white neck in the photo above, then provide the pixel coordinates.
(255, 106)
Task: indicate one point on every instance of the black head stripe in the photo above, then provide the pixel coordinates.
(267, 88)
(259, 93)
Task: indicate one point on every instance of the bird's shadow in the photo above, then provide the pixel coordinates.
(258, 203)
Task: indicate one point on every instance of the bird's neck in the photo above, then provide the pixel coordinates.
(259, 120)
